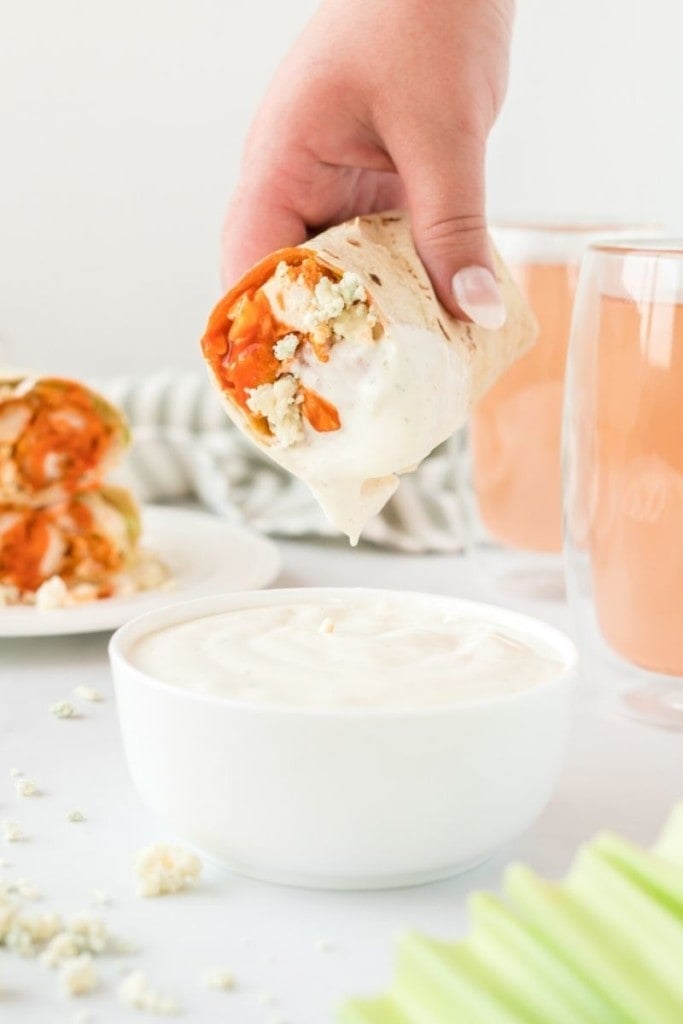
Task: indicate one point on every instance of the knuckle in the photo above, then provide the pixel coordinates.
(471, 126)
(441, 233)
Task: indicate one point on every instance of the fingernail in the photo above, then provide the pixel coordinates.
(477, 293)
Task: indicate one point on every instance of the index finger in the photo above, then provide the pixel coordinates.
(256, 224)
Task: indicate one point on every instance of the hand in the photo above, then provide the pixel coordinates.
(380, 104)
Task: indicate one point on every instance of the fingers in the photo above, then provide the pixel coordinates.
(260, 220)
(257, 223)
(444, 183)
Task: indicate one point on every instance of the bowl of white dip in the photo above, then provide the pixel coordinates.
(343, 738)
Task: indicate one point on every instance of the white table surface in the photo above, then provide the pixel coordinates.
(617, 774)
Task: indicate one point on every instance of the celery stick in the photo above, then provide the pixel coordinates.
(520, 948)
(440, 983)
(647, 932)
(531, 992)
(592, 949)
(662, 879)
(606, 947)
(371, 1011)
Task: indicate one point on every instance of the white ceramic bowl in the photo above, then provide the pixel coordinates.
(350, 798)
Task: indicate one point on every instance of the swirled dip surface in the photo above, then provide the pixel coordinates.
(385, 654)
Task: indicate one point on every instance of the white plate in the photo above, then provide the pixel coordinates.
(205, 555)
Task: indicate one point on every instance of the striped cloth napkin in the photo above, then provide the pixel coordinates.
(185, 446)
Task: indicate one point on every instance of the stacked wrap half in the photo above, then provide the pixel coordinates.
(58, 439)
(337, 359)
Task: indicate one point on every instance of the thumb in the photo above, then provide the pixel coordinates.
(445, 190)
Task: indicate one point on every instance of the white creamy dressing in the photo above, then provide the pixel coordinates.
(401, 654)
(398, 397)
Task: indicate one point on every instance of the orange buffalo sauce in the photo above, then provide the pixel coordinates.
(87, 555)
(243, 330)
(320, 413)
(22, 549)
(65, 423)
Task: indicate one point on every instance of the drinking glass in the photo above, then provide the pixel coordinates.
(516, 426)
(623, 473)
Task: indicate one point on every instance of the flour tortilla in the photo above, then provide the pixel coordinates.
(462, 360)
(380, 249)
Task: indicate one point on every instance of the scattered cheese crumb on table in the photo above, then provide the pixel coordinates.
(84, 933)
(75, 815)
(61, 948)
(90, 932)
(88, 693)
(11, 831)
(77, 977)
(41, 927)
(326, 626)
(220, 979)
(136, 991)
(63, 709)
(26, 787)
(27, 890)
(21, 933)
(162, 868)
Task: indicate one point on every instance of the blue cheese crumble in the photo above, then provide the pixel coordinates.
(280, 404)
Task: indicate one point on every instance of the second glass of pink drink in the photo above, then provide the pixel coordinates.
(624, 475)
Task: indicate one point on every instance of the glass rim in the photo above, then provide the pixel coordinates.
(580, 226)
(652, 247)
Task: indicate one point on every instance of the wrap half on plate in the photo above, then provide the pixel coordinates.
(56, 437)
(86, 540)
(338, 360)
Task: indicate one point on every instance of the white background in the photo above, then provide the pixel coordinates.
(121, 125)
